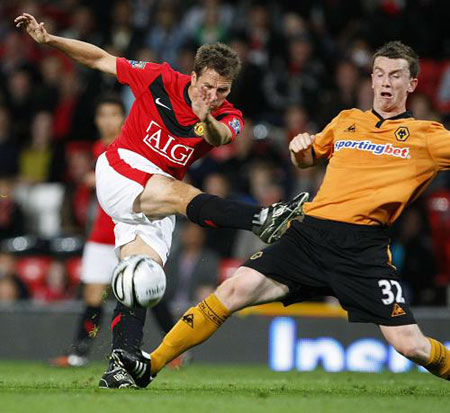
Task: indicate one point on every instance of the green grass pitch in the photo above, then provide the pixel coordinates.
(36, 388)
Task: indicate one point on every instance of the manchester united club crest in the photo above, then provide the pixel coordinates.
(199, 129)
(402, 133)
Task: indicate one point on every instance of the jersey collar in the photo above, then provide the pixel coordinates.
(404, 115)
(187, 99)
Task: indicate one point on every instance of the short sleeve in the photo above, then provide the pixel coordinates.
(438, 139)
(136, 74)
(233, 119)
(324, 143)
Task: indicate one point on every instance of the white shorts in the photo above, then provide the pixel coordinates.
(98, 263)
(118, 186)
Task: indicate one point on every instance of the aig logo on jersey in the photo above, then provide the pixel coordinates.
(166, 145)
(402, 133)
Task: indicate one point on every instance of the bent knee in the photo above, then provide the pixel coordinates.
(163, 196)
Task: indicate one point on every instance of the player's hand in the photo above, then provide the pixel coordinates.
(201, 102)
(301, 142)
(300, 149)
(36, 30)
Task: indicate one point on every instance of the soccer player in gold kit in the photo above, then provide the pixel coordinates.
(379, 162)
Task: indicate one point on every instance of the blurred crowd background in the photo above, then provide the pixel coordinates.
(303, 62)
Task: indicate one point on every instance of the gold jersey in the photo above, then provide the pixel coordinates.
(376, 166)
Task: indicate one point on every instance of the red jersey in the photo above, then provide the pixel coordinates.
(103, 227)
(161, 125)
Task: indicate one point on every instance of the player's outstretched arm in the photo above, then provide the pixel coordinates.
(301, 151)
(84, 53)
(216, 133)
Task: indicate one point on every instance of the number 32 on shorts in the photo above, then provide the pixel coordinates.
(388, 295)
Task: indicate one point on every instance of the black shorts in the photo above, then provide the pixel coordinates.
(350, 262)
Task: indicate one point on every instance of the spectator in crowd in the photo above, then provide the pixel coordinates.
(79, 194)
(186, 56)
(165, 37)
(52, 71)
(196, 14)
(192, 269)
(82, 26)
(9, 150)
(64, 124)
(264, 42)
(364, 100)
(422, 107)
(11, 287)
(344, 94)
(219, 240)
(13, 54)
(19, 100)
(360, 54)
(41, 160)
(296, 80)
(248, 93)
(210, 29)
(11, 214)
(121, 35)
(413, 256)
(297, 120)
(56, 284)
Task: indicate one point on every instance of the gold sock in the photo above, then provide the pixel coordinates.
(195, 326)
(439, 361)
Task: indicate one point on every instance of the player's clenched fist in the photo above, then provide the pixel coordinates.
(34, 29)
(300, 150)
(301, 142)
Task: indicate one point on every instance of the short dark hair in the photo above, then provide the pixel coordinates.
(112, 99)
(398, 50)
(219, 57)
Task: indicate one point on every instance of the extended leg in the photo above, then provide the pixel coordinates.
(427, 352)
(163, 196)
(247, 287)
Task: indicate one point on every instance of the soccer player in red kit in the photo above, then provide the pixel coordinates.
(175, 120)
(99, 256)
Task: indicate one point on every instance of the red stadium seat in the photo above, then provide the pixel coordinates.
(429, 75)
(438, 207)
(33, 271)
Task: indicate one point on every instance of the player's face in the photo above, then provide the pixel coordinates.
(216, 86)
(109, 119)
(391, 83)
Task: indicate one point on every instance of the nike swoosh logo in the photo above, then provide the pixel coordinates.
(158, 102)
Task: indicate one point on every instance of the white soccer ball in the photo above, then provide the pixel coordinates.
(138, 281)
